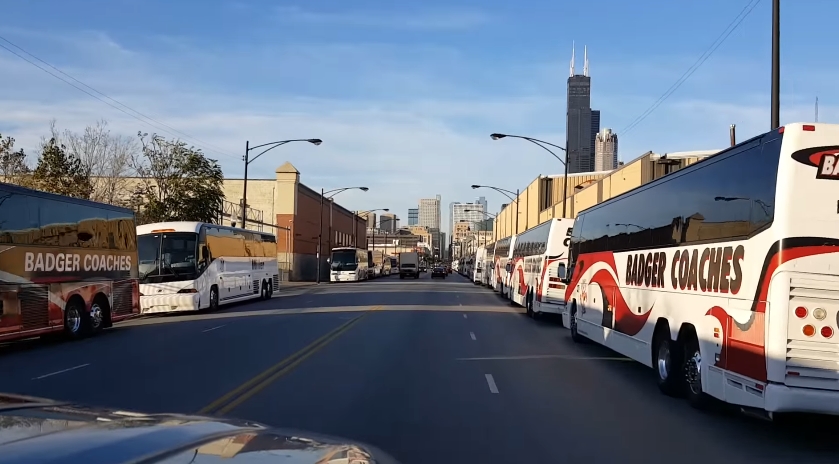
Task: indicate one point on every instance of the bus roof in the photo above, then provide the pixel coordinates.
(186, 226)
(53, 196)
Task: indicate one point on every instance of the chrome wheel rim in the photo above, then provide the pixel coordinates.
(693, 373)
(663, 361)
(74, 319)
(96, 315)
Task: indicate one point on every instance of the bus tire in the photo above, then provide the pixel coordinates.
(575, 335)
(100, 313)
(263, 291)
(667, 363)
(76, 318)
(692, 368)
(213, 299)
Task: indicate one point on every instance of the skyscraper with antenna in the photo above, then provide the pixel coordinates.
(579, 119)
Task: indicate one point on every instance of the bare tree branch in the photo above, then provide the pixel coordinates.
(106, 159)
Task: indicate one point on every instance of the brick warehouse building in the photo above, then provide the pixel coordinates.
(295, 209)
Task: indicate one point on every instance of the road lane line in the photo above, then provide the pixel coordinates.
(61, 371)
(491, 382)
(253, 386)
(545, 356)
(214, 328)
(472, 335)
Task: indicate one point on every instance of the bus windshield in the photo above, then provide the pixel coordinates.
(344, 260)
(167, 257)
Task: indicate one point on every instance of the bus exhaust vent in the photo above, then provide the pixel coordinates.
(276, 282)
(34, 306)
(123, 300)
(255, 287)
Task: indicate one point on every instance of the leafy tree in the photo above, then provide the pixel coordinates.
(13, 166)
(61, 172)
(178, 183)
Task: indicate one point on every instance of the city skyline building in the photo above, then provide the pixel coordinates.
(606, 150)
(388, 222)
(581, 124)
(429, 213)
(413, 216)
(471, 213)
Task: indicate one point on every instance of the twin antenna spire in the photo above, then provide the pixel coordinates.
(585, 60)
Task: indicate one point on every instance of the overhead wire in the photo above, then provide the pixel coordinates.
(732, 26)
(106, 99)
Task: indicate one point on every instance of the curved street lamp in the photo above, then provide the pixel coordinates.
(355, 226)
(320, 228)
(249, 160)
(489, 215)
(541, 144)
(508, 194)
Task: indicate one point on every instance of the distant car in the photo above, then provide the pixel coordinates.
(423, 268)
(438, 271)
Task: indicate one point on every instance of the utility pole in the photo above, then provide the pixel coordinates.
(245, 185)
(776, 64)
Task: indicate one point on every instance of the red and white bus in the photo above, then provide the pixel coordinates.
(503, 266)
(65, 264)
(539, 258)
(723, 275)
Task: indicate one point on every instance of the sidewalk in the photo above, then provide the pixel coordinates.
(298, 288)
(296, 285)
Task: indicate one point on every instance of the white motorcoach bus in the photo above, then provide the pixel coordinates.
(348, 264)
(722, 275)
(488, 276)
(540, 256)
(503, 264)
(189, 266)
(478, 268)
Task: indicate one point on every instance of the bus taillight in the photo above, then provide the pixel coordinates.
(801, 312)
(827, 332)
(808, 128)
(809, 330)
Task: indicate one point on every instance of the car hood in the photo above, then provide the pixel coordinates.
(47, 431)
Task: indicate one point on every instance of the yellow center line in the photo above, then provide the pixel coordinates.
(253, 386)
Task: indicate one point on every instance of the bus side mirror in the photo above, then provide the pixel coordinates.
(561, 273)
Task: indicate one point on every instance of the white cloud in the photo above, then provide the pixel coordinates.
(412, 131)
(421, 19)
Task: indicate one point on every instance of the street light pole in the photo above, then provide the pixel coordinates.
(776, 64)
(320, 233)
(249, 160)
(320, 229)
(245, 184)
(517, 211)
(541, 144)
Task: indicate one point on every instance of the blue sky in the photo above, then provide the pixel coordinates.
(404, 94)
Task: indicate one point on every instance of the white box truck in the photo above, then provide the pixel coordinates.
(409, 265)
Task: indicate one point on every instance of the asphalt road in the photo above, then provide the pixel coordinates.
(431, 371)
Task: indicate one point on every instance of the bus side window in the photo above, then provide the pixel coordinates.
(204, 255)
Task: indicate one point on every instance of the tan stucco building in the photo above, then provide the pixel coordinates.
(542, 200)
(294, 209)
